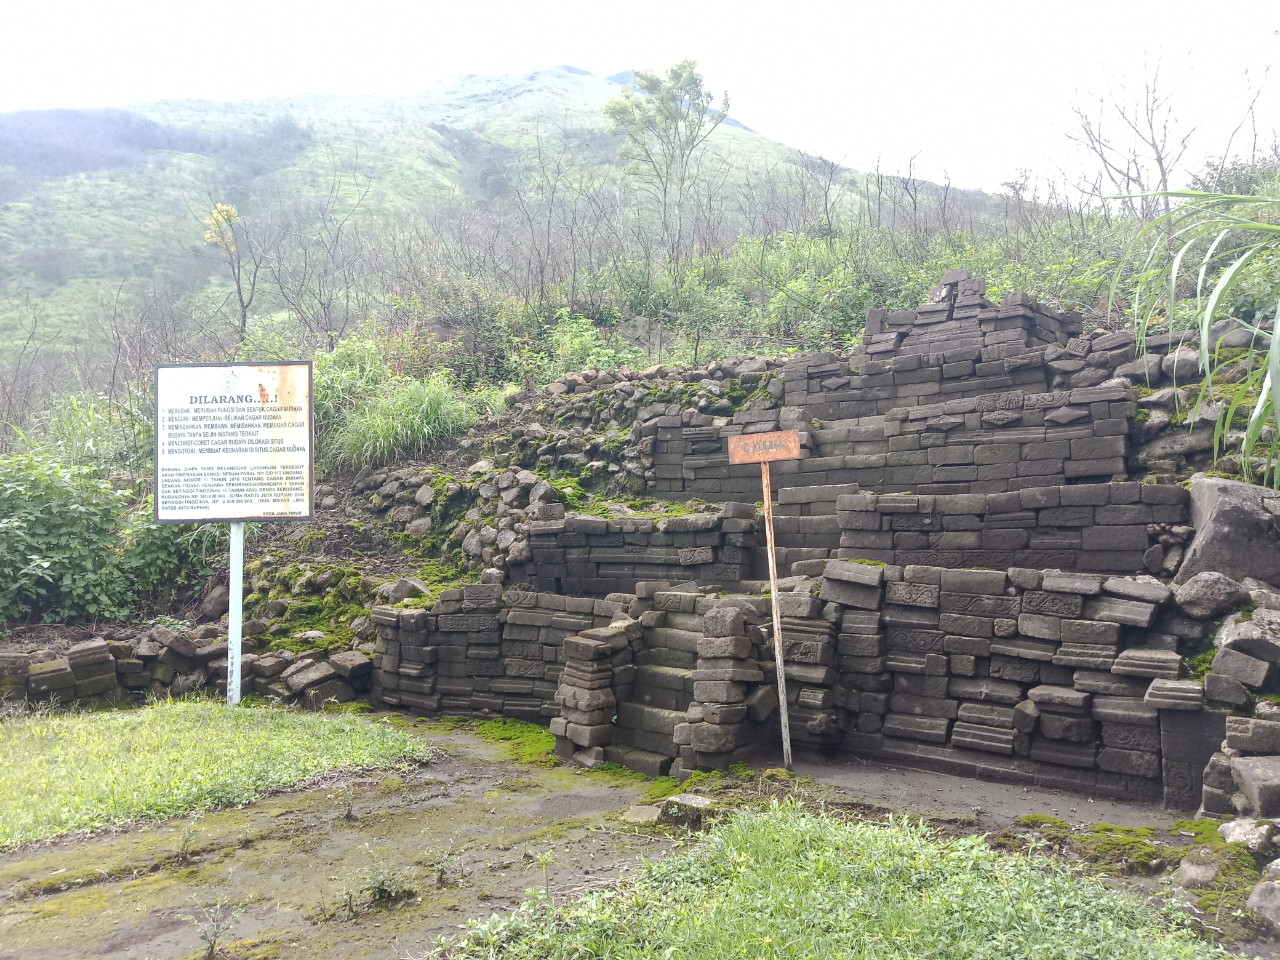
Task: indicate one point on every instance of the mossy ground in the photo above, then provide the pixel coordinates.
(1054, 829)
(521, 741)
(291, 859)
(299, 861)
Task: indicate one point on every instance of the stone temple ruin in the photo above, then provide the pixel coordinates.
(995, 572)
(985, 604)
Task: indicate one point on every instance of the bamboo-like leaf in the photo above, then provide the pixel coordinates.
(1225, 282)
(1204, 264)
(1267, 398)
(1273, 373)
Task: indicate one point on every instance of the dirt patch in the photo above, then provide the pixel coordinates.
(580, 804)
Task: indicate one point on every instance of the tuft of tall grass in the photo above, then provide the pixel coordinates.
(1227, 240)
(788, 882)
(406, 418)
(82, 771)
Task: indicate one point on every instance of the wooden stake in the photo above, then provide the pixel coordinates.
(777, 615)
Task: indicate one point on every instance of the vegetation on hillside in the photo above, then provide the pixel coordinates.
(661, 233)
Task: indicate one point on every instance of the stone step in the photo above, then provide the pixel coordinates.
(641, 761)
(659, 743)
(667, 678)
(650, 719)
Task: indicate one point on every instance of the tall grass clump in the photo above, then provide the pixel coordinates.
(1211, 257)
(787, 882)
(82, 771)
(407, 418)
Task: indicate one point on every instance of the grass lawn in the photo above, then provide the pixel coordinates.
(80, 771)
(788, 883)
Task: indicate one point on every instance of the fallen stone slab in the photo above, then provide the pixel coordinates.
(335, 690)
(1225, 690)
(50, 678)
(1131, 710)
(1249, 831)
(1175, 695)
(1253, 736)
(308, 676)
(1196, 872)
(1253, 637)
(1248, 670)
(1146, 589)
(1163, 664)
(1057, 699)
(1265, 901)
(1236, 531)
(865, 574)
(1259, 780)
(685, 810)
(351, 664)
(1129, 613)
(642, 813)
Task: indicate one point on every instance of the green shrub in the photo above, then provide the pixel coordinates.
(157, 555)
(59, 542)
(114, 434)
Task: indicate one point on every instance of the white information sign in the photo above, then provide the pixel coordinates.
(233, 442)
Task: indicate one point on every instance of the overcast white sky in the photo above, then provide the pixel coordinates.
(977, 90)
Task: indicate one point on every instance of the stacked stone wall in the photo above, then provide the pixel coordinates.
(480, 651)
(1104, 527)
(1065, 679)
(591, 555)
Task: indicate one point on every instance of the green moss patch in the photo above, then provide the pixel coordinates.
(616, 773)
(1054, 829)
(1204, 831)
(1200, 665)
(1127, 849)
(522, 741)
(661, 788)
(1224, 902)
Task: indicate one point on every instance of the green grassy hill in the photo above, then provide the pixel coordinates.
(99, 206)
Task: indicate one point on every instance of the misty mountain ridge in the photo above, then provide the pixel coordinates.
(101, 206)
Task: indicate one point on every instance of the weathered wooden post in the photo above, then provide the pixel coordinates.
(764, 448)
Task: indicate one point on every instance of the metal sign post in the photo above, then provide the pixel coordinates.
(764, 448)
(233, 443)
(235, 612)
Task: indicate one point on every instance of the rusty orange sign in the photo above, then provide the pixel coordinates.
(765, 447)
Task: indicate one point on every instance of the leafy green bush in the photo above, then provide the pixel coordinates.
(1236, 240)
(59, 542)
(157, 555)
(94, 431)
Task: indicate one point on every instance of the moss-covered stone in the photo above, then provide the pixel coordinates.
(1127, 849)
(1054, 829)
